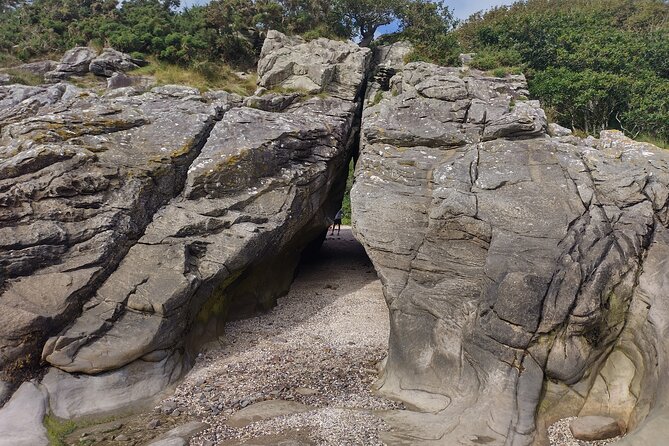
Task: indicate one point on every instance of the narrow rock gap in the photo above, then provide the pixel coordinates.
(314, 356)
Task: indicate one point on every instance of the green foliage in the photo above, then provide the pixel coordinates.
(428, 26)
(594, 63)
(364, 17)
(346, 203)
(227, 31)
(57, 430)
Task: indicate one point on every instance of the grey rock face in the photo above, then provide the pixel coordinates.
(133, 225)
(137, 385)
(21, 418)
(260, 185)
(74, 62)
(558, 131)
(111, 61)
(509, 259)
(318, 66)
(80, 179)
(4, 79)
(119, 80)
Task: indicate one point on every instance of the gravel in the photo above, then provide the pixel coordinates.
(320, 346)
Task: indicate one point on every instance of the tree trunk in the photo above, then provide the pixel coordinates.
(367, 36)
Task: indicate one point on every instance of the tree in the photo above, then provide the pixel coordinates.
(364, 17)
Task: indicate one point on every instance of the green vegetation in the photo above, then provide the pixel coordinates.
(223, 31)
(23, 77)
(346, 203)
(202, 75)
(57, 430)
(594, 64)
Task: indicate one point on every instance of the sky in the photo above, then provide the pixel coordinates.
(461, 8)
(464, 8)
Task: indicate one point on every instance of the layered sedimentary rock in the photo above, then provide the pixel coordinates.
(80, 179)
(135, 225)
(513, 263)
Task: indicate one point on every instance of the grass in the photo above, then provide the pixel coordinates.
(57, 430)
(503, 72)
(203, 76)
(653, 140)
(23, 77)
(346, 203)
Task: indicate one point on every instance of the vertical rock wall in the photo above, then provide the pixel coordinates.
(509, 258)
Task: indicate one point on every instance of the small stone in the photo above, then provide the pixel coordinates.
(593, 428)
(121, 437)
(153, 424)
(176, 413)
(169, 407)
(306, 391)
(207, 443)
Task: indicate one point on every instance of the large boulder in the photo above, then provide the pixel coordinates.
(256, 195)
(318, 66)
(509, 259)
(132, 226)
(74, 62)
(111, 61)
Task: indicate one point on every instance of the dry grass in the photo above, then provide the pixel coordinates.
(653, 140)
(23, 77)
(203, 76)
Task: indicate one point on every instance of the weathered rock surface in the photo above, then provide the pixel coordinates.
(21, 418)
(593, 428)
(39, 68)
(111, 61)
(80, 179)
(179, 435)
(509, 259)
(4, 79)
(133, 225)
(73, 63)
(319, 66)
(135, 386)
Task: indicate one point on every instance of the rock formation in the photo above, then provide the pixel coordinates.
(525, 269)
(111, 61)
(82, 60)
(523, 272)
(133, 225)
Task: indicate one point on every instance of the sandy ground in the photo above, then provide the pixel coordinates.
(320, 347)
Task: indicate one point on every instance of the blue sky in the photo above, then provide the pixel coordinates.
(462, 8)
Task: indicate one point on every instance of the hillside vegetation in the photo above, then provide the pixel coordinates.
(594, 64)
